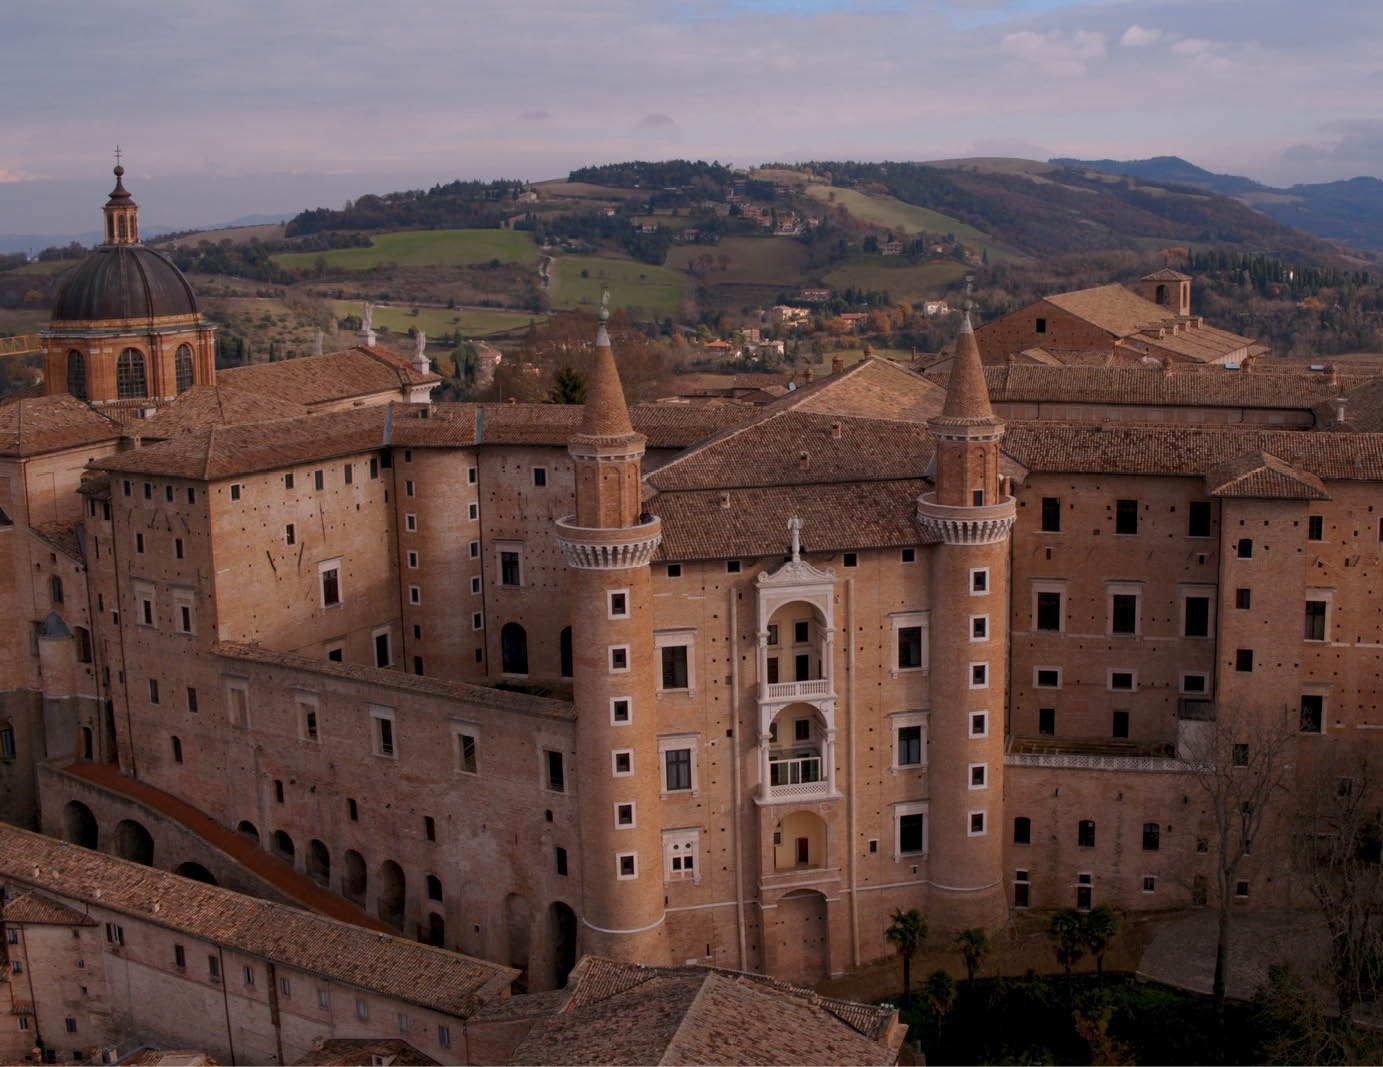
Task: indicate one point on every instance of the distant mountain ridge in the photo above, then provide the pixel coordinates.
(37, 242)
(1349, 211)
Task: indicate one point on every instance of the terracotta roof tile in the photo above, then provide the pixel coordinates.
(215, 405)
(966, 395)
(1166, 274)
(1187, 451)
(605, 413)
(62, 535)
(430, 977)
(835, 517)
(312, 380)
(36, 908)
(32, 425)
(347, 1051)
(768, 449)
(451, 425)
(872, 388)
(1211, 387)
(1257, 474)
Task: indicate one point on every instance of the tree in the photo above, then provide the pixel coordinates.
(973, 945)
(1067, 935)
(1338, 844)
(908, 933)
(940, 991)
(568, 387)
(1100, 927)
(1238, 760)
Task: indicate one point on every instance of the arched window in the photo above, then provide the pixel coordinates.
(566, 652)
(56, 585)
(76, 374)
(177, 750)
(434, 887)
(182, 365)
(130, 380)
(513, 649)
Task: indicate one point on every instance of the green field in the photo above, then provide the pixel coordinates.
(649, 292)
(436, 322)
(45, 266)
(422, 248)
(902, 279)
(676, 223)
(892, 213)
(749, 261)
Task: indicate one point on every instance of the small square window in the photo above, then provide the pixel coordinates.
(1243, 660)
(624, 815)
(979, 627)
(619, 605)
(1047, 678)
(620, 712)
(622, 762)
(472, 511)
(1121, 680)
(979, 775)
(674, 570)
(732, 566)
(619, 658)
(979, 675)
(1149, 883)
(1241, 889)
(979, 581)
(1245, 548)
(976, 824)
(979, 724)
(627, 865)
(909, 555)
(851, 559)
(539, 477)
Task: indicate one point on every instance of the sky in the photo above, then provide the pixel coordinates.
(264, 106)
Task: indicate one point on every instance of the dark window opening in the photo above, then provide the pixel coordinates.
(1051, 514)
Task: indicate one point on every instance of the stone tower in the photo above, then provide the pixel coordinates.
(608, 544)
(970, 513)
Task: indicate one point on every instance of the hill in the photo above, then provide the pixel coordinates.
(1347, 211)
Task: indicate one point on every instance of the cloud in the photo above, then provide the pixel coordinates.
(16, 176)
(1055, 52)
(1191, 46)
(1138, 37)
(655, 120)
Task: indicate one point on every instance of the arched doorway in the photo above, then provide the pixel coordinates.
(518, 921)
(561, 922)
(436, 929)
(248, 829)
(566, 652)
(134, 842)
(318, 862)
(79, 825)
(196, 872)
(513, 649)
(802, 934)
(282, 846)
(392, 894)
(353, 884)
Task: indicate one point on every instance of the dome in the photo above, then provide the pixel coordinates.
(124, 281)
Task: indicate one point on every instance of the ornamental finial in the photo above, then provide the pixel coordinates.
(604, 313)
(795, 528)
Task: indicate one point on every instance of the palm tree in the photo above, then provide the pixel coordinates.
(1067, 935)
(1101, 926)
(940, 991)
(908, 934)
(973, 945)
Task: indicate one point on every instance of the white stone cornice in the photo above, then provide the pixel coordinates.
(985, 525)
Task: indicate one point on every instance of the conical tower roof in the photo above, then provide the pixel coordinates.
(606, 414)
(967, 396)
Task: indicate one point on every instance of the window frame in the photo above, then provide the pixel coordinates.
(906, 720)
(685, 639)
(1115, 590)
(1121, 513)
(380, 714)
(503, 548)
(325, 567)
(907, 620)
(1048, 587)
(1043, 515)
(911, 807)
(676, 743)
(689, 839)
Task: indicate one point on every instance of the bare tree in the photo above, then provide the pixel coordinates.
(1240, 760)
(1337, 857)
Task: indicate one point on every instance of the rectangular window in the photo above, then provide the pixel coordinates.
(362, 1010)
(1126, 516)
(1047, 678)
(909, 746)
(622, 762)
(410, 524)
(429, 828)
(115, 933)
(1243, 660)
(619, 604)
(1312, 713)
(509, 571)
(1049, 611)
(475, 584)
(909, 555)
(851, 559)
(1149, 883)
(249, 976)
(1242, 599)
(624, 815)
(619, 657)
(1197, 621)
(909, 647)
(472, 511)
(1020, 891)
(71, 1024)
(349, 472)
(382, 654)
(444, 1036)
(976, 828)
(330, 575)
(620, 711)
(1046, 722)
(412, 560)
(979, 724)
(288, 481)
(677, 762)
(539, 477)
(179, 957)
(288, 534)
(979, 676)
(556, 772)
(1120, 727)
(153, 690)
(407, 488)
(235, 491)
(910, 833)
(318, 481)
(177, 548)
(1244, 549)
(674, 570)
(979, 627)
(139, 543)
(626, 865)
(466, 760)
(1121, 680)
(382, 722)
(1124, 614)
(1198, 519)
(979, 581)
(1051, 514)
(979, 775)
(1315, 527)
(1315, 620)
(732, 566)
(213, 967)
(680, 855)
(470, 475)
(415, 594)
(1152, 837)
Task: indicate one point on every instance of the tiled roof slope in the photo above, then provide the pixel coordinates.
(835, 517)
(215, 405)
(625, 1013)
(1257, 474)
(452, 425)
(1029, 383)
(1187, 451)
(430, 977)
(62, 535)
(33, 425)
(347, 1051)
(1111, 307)
(354, 372)
(36, 908)
(872, 388)
(225, 451)
(767, 450)
(382, 678)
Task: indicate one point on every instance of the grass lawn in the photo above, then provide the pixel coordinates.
(648, 292)
(676, 223)
(776, 261)
(891, 212)
(421, 248)
(904, 279)
(46, 266)
(436, 321)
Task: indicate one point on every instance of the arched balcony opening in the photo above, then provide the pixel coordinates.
(797, 739)
(795, 653)
(799, 842)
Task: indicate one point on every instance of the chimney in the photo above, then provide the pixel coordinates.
(1339, 409)
(725, 501)
(1331, 374)
(1167, 366)
(837, 364)
(807, 375)
(803, 460)
(835, 429)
